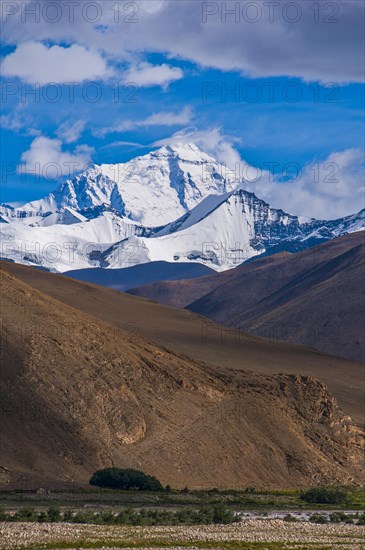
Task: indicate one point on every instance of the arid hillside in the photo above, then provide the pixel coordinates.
(190, 334)
(315, 297)
(77, 394)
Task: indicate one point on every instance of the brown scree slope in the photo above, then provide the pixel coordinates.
(187, 333)
(78, 395)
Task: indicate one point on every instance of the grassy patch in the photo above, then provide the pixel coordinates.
(118, 500)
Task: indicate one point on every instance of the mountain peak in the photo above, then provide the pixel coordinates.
(177, 195)
(152, 190)
(189, 152)
(177, 147)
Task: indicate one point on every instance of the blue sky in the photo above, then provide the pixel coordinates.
(298, 95)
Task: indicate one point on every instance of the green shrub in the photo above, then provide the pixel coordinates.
(129, 479)
(361, 520)
(107, 517)
(83, 517)
(67, 515)
(318, 519)
(26, 514)
(325, 495)
(222, 515)
(42, 517)
(289, 518)
(337, 517)
(54, 514)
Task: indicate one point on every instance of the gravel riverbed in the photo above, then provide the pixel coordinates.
(292, 535)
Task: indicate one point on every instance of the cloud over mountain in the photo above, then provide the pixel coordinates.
(46, 157)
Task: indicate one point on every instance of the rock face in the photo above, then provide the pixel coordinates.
(78, 394)
(176, 204)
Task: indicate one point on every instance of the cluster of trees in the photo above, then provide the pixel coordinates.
(52, 515)
(187, 516)
(326, 495)
(335, 517)
(128, 479)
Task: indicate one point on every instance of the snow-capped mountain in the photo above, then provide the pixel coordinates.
(224, 231)
(176, 204)
(151, 190)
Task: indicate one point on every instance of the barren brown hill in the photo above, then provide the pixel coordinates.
(77, 395)
(202, 340)
(315, 298)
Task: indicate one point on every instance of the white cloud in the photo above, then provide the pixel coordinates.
(34, 62)
(261, 40)
(162, 118)
(70, 132)
(329, 189)
(132, 144)
(47, 158)
(167, 118)
(153, 6)
(146, 75)
(219, 146)
(19, 123)
(212, 141)
(325, 43)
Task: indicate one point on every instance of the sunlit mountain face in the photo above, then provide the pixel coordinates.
(176, 204)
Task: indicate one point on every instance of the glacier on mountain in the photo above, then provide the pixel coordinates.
(176, 204)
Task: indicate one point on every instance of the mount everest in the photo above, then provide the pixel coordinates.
(176, 205)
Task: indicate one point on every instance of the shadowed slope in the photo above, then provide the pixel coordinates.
(78, 395)
(124, 279)
(202, 340)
